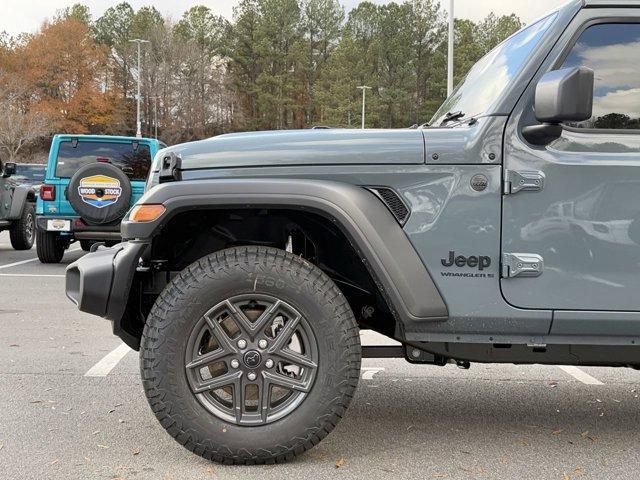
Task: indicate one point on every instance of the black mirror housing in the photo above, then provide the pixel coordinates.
(9, 169)
(565, 96)
(561, 96)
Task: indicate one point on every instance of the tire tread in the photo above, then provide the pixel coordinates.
(217, 265)
(17, 236)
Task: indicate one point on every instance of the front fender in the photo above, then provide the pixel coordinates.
(380, 241)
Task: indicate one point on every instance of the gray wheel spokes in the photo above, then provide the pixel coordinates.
(287, 382)
(265, 401)
(251, 329)
(252, 375)
(284, 335)
(259, 413)
(239, 317)
(216, 382)
(29, 230)
(267, 315)
(221, 336)
(238, 399)
(295, 358)
(210, 357)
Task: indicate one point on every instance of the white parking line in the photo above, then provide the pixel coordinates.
(15, 264)
(108, 362)
(22, 262)
(369, 372)
(580, 375)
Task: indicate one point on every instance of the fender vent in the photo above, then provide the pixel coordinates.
(393, 202)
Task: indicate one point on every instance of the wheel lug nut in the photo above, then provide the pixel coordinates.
(268, 363)
(242, 343)
(235, 363)
(262, 343)
(251, 376)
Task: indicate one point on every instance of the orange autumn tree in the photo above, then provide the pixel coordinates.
(66, 70)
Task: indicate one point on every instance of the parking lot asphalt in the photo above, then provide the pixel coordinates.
(72, 407)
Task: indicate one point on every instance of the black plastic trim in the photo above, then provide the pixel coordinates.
(99, 282)
(88, 280)
(393, 201)
(372, 229)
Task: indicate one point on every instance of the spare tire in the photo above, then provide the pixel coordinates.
(100, 193)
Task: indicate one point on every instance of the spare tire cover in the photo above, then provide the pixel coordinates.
(100, 193)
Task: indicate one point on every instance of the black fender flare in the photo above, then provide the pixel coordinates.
(380, 241)
(19, 200)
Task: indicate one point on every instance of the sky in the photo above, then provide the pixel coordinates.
(28, 15)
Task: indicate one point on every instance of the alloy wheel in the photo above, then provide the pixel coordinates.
(251, 359)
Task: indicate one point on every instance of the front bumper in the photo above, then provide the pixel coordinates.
(81, 231)
(99, 283)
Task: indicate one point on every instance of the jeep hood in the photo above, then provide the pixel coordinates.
(303, 147)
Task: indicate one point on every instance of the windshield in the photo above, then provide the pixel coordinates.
(133, 161)
(489, 77)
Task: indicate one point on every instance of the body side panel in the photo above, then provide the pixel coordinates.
(447, 215)
(591, 253)
(480, 142)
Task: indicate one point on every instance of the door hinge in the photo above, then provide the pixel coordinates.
(521, 265)
(515, 181)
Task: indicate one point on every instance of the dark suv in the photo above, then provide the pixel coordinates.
(505, 231)
(17, 208)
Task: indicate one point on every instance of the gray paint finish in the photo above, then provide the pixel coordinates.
(586, 221)
(447, 214)
(480, 142)
(304, 147)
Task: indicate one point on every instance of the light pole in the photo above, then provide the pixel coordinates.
(450, 51)
(139, 42)
(364, 95)
(155, 116)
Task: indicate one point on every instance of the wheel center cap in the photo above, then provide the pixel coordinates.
(252, 359)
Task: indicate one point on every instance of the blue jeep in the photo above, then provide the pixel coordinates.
(91, 182)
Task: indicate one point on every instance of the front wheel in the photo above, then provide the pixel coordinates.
(250, 355)
(50, 247)
(23, 231)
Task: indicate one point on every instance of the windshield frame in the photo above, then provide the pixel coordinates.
(455, 102)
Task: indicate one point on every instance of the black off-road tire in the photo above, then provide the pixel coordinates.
(23, 231)
(50, 247)
(213, 279)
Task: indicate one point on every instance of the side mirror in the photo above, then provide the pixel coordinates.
(9, 169)
(561, 96)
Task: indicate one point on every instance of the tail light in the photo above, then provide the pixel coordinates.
(48, 192)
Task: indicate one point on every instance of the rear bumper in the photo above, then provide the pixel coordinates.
(80, 230)
(99, 283)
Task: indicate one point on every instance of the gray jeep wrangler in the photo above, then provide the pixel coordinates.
(17, 208)
(506, 230)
